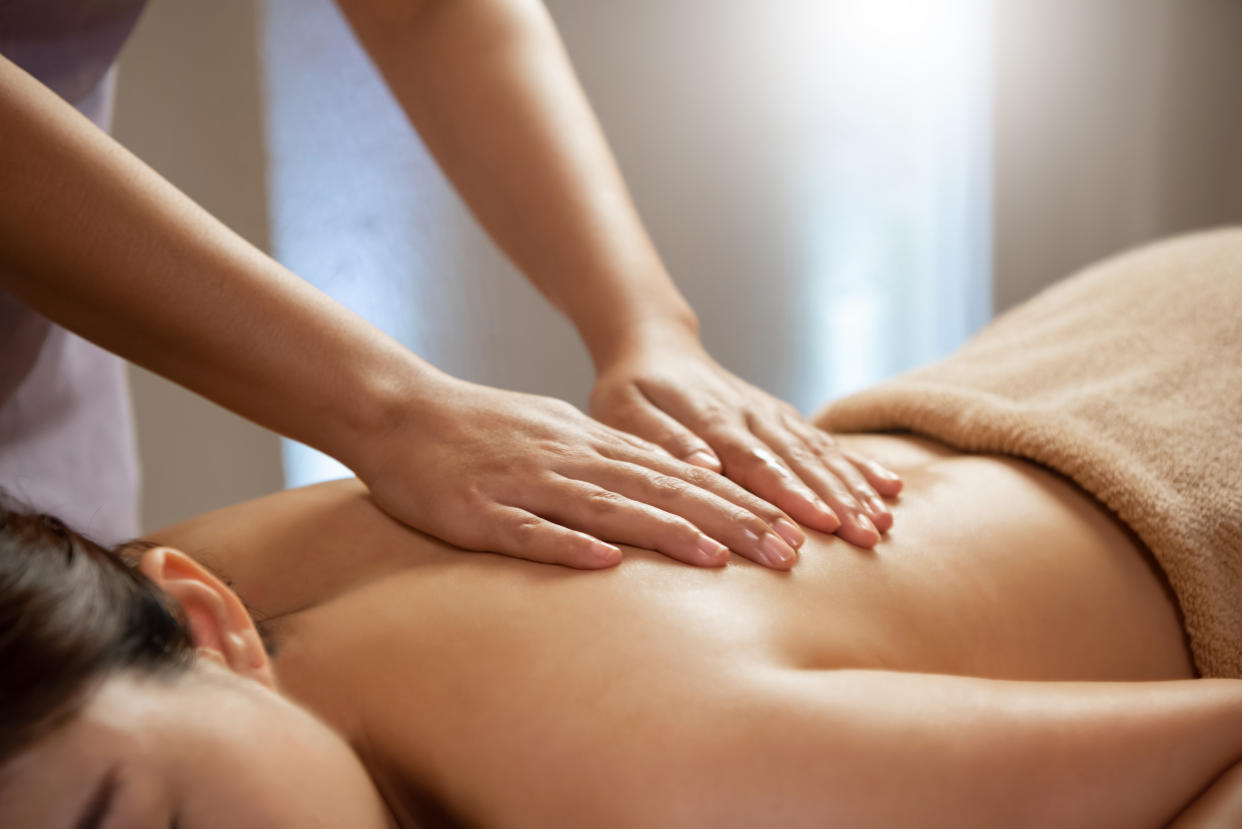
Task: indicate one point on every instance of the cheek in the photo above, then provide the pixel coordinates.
(300, 795)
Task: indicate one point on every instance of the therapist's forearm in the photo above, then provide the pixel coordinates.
(490, 88)
(99, 243)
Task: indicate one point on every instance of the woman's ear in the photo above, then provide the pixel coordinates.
(219, 623)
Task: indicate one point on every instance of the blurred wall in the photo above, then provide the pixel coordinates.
(809, 194)
(188, 105)
(1116, 122)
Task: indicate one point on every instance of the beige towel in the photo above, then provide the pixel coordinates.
(1127, 378)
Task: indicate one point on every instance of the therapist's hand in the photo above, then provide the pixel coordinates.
(673, 393)
(533, 477)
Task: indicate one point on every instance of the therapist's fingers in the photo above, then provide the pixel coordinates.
(727, 489)
(737, 527)
(831, 456)
(753, 465)
(606, 514)
(856, 523)
(521, 534)
(885, 481)
(536, 478)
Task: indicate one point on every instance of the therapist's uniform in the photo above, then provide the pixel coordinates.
(66, 427)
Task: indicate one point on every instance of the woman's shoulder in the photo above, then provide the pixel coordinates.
(297, 548)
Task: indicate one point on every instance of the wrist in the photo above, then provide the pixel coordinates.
(378, 403)
(640, 330)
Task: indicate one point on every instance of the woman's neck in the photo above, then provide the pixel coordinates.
(294, 550)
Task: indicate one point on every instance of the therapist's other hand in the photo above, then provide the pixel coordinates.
(534, 478)
(674, 394)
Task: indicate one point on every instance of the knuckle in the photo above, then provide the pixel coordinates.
(542, 449)
(700, 477)
(475, 499)
(802, 454)
(525, 531)
(778, 472)
(761, 455)
(666, 487)
(564, 408)
(824, 443)
(713, 414)
(603, 502)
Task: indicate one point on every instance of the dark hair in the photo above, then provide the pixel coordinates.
(72, 613)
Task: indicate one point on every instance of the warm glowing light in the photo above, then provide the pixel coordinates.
(815, 172)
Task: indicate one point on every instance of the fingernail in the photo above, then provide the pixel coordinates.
(887, 474)
(701, 457)
(865, 522)
(826, 511)
(714, 550)
(789, 531)
(775, 551)
(605, 553)
(877, 506)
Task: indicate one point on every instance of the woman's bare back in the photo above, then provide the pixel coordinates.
(493, 674)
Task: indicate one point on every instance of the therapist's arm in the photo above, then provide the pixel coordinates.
(490, 89)
(99, 243)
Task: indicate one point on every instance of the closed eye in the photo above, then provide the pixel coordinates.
(100, 802)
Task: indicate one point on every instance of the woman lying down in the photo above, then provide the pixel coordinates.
(1021, 651)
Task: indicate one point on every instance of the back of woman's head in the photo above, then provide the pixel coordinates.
(71, 614)
(81, 631)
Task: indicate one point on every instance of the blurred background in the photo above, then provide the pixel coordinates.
(842, 188)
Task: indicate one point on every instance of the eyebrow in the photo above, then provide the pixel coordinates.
(100, 801)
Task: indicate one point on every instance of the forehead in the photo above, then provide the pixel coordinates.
(56, 774)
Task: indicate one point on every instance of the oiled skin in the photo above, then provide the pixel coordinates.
(517, 692)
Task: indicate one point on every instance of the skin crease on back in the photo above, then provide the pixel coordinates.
(486, 679)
